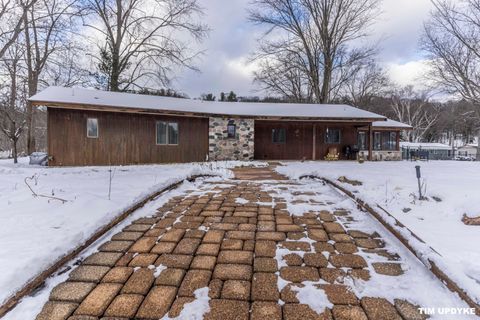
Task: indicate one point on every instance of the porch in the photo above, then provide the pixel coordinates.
(296, 140)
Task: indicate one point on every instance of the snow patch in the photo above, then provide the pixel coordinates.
(313, 296)
(158, 270)
(241, 201)
(203, 228)
(196, 309)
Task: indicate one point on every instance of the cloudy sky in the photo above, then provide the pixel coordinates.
(225, 66)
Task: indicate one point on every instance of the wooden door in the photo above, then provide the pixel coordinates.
(298, 142)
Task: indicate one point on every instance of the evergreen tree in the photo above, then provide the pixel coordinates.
(208, 97)
(232, 97)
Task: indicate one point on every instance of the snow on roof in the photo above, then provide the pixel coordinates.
(90, 97)
(390, 124)
(468, 146)
(425, 145)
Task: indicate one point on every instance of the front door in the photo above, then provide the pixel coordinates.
(283, 140)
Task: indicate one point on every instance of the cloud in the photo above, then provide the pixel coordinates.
(225, 66)
(400, 27)
(409, 73)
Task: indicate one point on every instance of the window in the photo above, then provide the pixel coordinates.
(167, 133)
(172, 133)
(231, 130)
(362, 140)
(389, 140)
(386, 140)
(92, 128)
(377, 141)
(279, 135)
(332, 136)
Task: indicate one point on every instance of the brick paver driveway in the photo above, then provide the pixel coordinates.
(233, 250)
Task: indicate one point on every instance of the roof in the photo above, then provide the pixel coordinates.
(469, 146)
(391, 124)
(425, 145)
(129, 102)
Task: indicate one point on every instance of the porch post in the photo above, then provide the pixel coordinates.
(370, 143)
(398, 140)
(314, 141)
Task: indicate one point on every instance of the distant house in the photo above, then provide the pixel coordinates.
(468, 150)
(91, 127)
(432, 151)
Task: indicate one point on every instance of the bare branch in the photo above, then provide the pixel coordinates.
(143, 45)
(321, 32)
(452, 41)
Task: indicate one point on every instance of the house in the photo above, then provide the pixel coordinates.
(468, 150)
(91, 127)
(428, 150)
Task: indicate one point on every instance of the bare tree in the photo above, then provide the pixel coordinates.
(283, 74)
(456, 119)
(11, 109)
(365, 83)
(452, 41)
(68, 67)
(47, 33)
(414, 109)
(143, 39)
(322, 32)
(12, 14)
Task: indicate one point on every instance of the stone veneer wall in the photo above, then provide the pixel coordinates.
(384, 155)
(222, 148)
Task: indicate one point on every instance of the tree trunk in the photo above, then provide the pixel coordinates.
(315, 82)
(115, 46)
(30, 129)
(327, 80)
(115, 73)
(32, 88)
(478, 146)
(14, 145)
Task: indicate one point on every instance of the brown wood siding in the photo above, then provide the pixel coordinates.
(348, 137)
(123, 139)
(299, 142)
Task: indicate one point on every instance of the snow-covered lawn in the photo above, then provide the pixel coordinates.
(30, 306)
(36, 231)
(393, 185)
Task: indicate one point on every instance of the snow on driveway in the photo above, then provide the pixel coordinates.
(35, 232)
(393, 185)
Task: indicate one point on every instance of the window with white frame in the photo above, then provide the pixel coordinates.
(92, 128)
(167, 133)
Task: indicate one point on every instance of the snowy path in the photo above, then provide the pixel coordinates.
(238, 249)
(452, 188)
